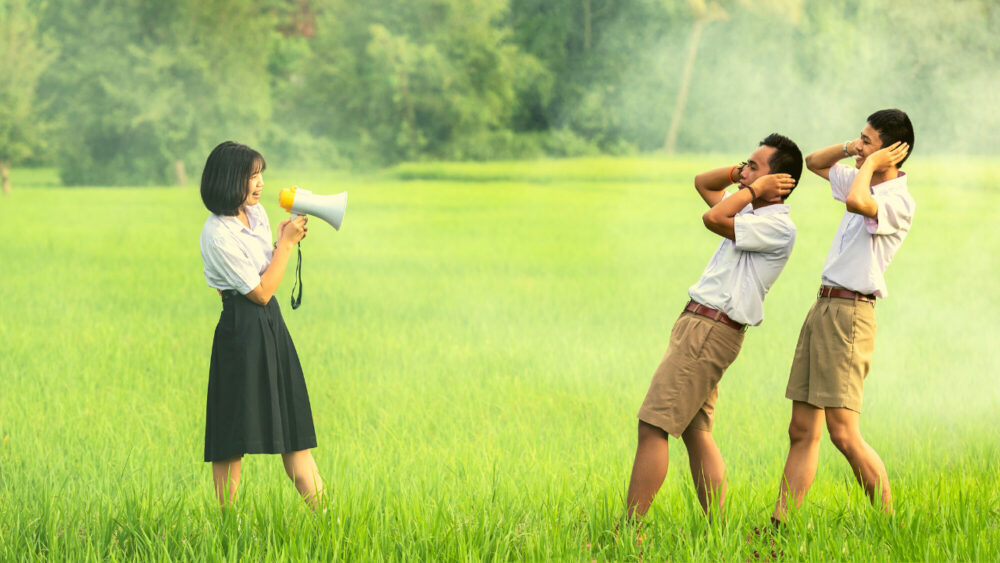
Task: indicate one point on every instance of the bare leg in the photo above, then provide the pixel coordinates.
(845, 432)
(301, 469)
(226, 475)
(803, 456)
(707, 468)
(648, 470)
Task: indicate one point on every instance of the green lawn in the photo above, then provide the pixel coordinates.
(477, 340)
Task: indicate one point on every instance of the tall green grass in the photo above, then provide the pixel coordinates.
(476, 342)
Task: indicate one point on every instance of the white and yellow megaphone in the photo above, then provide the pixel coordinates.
(329, 208)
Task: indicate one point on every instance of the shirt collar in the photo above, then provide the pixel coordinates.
(896, 184)
(233, 223)
(771, 209)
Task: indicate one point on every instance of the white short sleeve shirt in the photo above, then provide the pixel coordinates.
(863, 246)
(235, 256)
(741, 272)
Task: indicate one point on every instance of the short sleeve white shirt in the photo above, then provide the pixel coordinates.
(742, 271)
(236, 255)
(863, 246)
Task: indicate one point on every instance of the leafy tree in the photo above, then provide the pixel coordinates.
(146, 89)
(401, 79)
(24, 55)
(140, 90)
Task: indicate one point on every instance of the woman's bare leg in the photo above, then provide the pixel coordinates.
(226, 475)
(301, 469)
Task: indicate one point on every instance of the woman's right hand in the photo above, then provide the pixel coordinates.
(293, 230)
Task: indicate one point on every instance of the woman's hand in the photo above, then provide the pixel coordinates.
(291, 231)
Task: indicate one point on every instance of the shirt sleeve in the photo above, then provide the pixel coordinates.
(841, 177)
(747, 207)
(895, 213)
(762, 234)
(225, 257)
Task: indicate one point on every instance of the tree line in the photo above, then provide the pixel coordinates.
(136, 92)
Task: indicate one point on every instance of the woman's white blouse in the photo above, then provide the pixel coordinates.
(235, 256)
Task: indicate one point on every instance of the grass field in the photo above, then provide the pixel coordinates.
(477, 340)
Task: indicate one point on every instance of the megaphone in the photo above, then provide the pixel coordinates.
(329, 208)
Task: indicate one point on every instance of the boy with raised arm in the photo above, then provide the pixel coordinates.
(837, 340)
(757, 238)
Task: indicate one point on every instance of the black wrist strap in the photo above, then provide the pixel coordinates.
(297, 300)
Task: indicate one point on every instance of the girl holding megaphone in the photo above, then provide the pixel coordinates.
(257, 399)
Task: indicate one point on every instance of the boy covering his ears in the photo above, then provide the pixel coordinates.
(835, 346)
(757, 238)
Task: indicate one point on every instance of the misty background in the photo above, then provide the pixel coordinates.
(132, 92)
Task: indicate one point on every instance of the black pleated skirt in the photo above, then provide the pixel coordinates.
(257, 399)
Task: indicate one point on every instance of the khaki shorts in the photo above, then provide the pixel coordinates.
(833, 354)
(686, 384)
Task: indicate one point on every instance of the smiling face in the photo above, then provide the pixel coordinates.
(255, 187)
(869, 142)
(757, 165)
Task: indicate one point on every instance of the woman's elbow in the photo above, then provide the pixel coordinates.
(258, 296)
(709, 219)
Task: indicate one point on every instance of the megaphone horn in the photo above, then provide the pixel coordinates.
(329, 208)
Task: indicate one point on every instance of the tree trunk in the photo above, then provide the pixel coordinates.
(408, 111)
(682, 92)
(180, 175)
(5, 174)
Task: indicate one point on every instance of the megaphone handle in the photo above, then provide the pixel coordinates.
(296, 301)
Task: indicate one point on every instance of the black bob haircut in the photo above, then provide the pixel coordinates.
(893, 125)
(226, 177)
(787, 158)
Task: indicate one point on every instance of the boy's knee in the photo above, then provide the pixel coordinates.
(649, 432)
(799, 433)
(843, 438)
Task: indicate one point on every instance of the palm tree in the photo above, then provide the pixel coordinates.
(703, 13)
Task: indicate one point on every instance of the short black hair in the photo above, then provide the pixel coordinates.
(226, 177)
(787, 158)
(893, 125)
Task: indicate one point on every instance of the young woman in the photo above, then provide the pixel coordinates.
(257, 399)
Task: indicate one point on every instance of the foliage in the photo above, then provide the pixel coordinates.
(25, 53)
(140, 90)
(150, 84)
(407, 78)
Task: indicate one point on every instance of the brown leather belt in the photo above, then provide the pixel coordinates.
(715, 315)
(840, 293)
